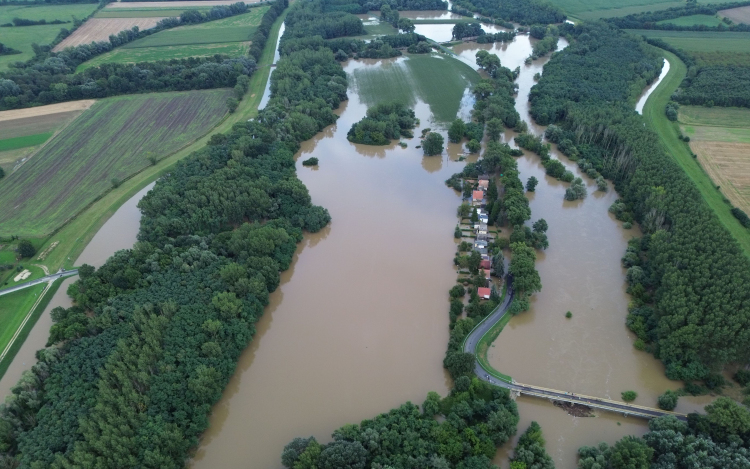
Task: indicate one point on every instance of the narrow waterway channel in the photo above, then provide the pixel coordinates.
(650, 88)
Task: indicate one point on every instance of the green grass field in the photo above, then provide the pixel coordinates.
(437, 80)
(13, 309)
(716, 124)
(668, 131)
(110, 140)
(45, 12)
(228, 36)
(150, 54)
(593, 9)
(29, 324)
(692, 20)
(701, 41)
(23, 142)
(144, 12)
(22, 38)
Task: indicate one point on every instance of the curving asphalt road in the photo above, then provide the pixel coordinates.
(45, 279)
(470, 346)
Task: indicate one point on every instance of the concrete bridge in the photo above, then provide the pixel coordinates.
(492, 376)
(46, 279)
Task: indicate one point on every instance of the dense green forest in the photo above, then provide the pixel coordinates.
(476, 419)
(50, 77)
(363, 6)
(383, 123)
(691, 300)
(716, 86)
(720, 439)
(520, 11)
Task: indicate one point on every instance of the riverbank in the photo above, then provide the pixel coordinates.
(668, 131)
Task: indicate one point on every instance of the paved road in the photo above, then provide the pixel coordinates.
(470, 346)
(46, 279)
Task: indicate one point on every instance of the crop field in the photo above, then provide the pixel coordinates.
(228, 36)
(21, 38)
(707, 47)
(593, 9)
(738, 15)
(111, 141)
(439, 82)
(45, 12)
(21, 123)
(721, 139)
(144, 13)
(175, 4)
(692, 20)
(99, 29)
(150, 54)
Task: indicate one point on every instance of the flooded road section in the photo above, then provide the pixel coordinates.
(119, 232)
(359, 324)
(592, 352)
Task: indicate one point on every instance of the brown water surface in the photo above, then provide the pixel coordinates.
(359, 324)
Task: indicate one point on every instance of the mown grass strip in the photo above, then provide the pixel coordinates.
(35, 315)
(653, 113)
(23, 142)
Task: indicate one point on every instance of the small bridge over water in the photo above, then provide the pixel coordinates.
(492, 376)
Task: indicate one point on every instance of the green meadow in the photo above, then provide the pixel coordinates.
(13, 309)
(694, 20)
(437, 80)
(23, 142)
(593, 9)
(150, 54)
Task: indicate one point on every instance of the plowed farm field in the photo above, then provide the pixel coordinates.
(99, 29)
(720, 137)
(106, 144)
(738, 15)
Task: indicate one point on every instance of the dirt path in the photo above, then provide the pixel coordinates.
(45, 110)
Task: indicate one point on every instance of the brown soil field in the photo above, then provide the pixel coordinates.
(99, 29)
(36, 125)
(738, 15)
(14, 114)
(728, 166)
(196, 3)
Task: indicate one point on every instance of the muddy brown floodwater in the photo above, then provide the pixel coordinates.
(593, 352)
(359, 324)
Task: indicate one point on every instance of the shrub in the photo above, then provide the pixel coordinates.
(740, 215)
(577, 190)
(629, 396)
(627, 225)
(457, 291)
(433, 144)
(531, 184)
(668, 400)
(639, 344)
(568, 315)
(567, 177)
(457, 232)
(25, 248)
(474, 146)
(742, 377)
(310, 162)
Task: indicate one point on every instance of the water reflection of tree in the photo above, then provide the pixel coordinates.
(432, 164)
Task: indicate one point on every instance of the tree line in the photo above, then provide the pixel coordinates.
(691, 295)
(524, 12)
(651, 19)
(475, 419)
(50, 77)
(363, 6)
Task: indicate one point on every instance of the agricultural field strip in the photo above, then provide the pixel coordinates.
(150, 54)
(23, 142)
(84, 157)
(99, 29)
(738, 15)
(692, 20)
(45, 12)
(593, 9)
(175, 4)
(35, 125)
(698, 41)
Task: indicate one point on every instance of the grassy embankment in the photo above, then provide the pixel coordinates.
(17, 315)
(21, 38)
(230, 36)
(107, 144)
(77, 233)
(693, 20)
(439, 81)
(653, 113)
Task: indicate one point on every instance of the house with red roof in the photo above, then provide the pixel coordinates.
(485, 264)
(484, 293)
